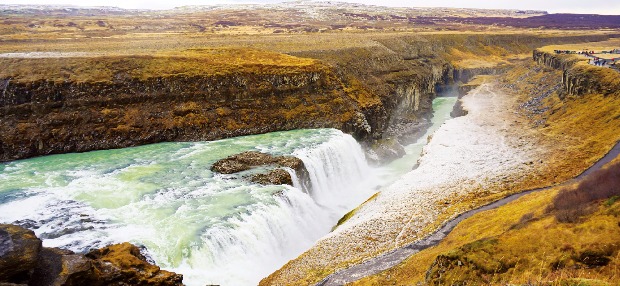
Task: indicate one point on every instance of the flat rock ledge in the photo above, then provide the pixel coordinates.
(23, 261)
(252, 159)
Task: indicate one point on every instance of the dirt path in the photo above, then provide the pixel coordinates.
(394, 257)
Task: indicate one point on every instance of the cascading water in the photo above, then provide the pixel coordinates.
(213, 228)
(335, 174)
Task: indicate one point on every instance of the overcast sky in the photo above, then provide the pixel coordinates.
(610, 7)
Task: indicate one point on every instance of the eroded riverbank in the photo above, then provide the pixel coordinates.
(393, 258)
(472, 155)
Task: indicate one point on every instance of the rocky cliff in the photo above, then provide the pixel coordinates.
(327, 256)
(51, 104)
(578, 77)
(47, 115)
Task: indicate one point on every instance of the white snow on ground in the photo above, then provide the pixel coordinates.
(465, 155)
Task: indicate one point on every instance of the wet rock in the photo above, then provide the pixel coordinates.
(458, 110)
(275, 177)
(384, 150)
(19, 249)
(247, 160)
(123, 264)
(408, 131)
(63, 267)
(120, 264)
(24, 262)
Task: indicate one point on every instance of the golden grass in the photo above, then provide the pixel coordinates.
(587, 125)
(522, 236)
(194, 62)
(478, 80)
(578, 130)
(467, 60)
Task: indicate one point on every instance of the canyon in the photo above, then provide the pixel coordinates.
(122, 101)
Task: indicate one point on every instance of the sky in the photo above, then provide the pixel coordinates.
(608, 7)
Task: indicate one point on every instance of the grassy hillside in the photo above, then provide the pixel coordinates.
(84, 67)
(575, 110)
(529, 241)
(562, 236)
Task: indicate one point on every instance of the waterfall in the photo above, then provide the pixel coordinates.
(337, 169)
(212, 228)
(269, 236)
(247, 248)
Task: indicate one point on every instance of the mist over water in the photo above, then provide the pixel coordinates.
(212, 228)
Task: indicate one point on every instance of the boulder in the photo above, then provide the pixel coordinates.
(19, 249)
(275, 177)
(63, 267)
(247, 160)
(123, 264)
(384, 150)
(458, 110)
(24, 262)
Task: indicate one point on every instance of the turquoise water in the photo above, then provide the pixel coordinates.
(163, 196)
(442, 106)
(213, 228)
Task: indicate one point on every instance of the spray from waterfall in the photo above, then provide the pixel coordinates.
(212, 228)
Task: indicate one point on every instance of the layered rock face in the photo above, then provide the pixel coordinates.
(47, 117)
(579, 78)
(53, 105)
(24, 261)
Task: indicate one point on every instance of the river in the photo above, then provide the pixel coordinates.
(212, 228)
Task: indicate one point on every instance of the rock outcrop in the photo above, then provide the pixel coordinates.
(384, 150)
(274, 177)
(579, 78)
(247, 160)
(251, 159)
(24, 261)
(19, 248)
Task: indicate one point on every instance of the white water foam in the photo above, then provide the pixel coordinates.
(213, 229)
(338, 169)
(273, 234)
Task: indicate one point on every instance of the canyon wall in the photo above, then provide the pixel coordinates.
(578, 77)
(47, 117)
(51, 106)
